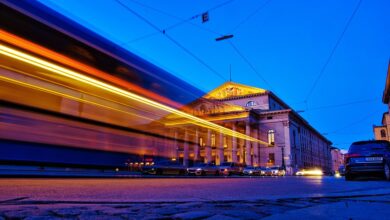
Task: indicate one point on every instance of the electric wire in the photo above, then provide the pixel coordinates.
(352, 123)
(250, 16)
(163, 31)
(340, 105)
(181, 20)
(249, 63)
(329, 58)
(171, 39)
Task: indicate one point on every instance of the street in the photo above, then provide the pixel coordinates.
(186, 198)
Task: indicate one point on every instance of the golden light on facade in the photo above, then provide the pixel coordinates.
(73, 75)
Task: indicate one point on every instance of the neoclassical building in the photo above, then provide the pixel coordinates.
(284, 137)
(381, 132)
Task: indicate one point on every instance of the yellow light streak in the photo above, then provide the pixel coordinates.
(109, 88)
(6, 79)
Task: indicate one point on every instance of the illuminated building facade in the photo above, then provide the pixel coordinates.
(285, 138)
(337, 158)
(381, 132)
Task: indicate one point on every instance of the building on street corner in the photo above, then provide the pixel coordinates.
(285, 138)
(381, 132)
(337, 159)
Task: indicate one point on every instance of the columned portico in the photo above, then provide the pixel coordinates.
(253, 116)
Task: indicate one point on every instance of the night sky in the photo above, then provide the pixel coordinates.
(281, 45)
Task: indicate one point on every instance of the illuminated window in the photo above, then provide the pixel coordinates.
(271, 137)
(250, 103)
(213, 140)
(383, 133)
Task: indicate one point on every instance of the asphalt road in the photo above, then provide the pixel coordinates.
(182, 189)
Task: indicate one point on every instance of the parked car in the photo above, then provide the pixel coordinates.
(166, 168)
(276, 171)
(203, 169)
(251, 171)
(231, 168)
(262, 171)
(368, 158)
(341, 170)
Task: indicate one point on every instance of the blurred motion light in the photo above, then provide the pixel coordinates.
(5, 50)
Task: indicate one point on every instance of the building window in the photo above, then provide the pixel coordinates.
(383, 133)
(271, 158)
(250, 103)
(271, 137)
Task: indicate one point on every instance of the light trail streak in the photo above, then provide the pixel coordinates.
(80, 91)
(6, 79)
(42, 51)
(7, 51)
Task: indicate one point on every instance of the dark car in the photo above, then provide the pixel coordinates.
(368, 158)
(231, 168)
(167, 168)
(251, 171)
(203, 169)
(341, 170)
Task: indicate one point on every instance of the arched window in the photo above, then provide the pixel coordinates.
(383, 133)
(250, 103)
(271, 137)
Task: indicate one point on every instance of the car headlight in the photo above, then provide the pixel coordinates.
(250, 171)
(199, 169)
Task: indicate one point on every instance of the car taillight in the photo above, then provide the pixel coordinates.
(347, 156)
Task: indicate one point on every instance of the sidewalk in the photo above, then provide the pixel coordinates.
(364, 206)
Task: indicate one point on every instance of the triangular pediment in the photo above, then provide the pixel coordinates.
(231, 89)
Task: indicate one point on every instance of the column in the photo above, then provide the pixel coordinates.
(185, 148)
(208, 156)
(175, 146)
(259, 145)
(234, 145)
(219, 153)
(286, 149)
(196, 145)
(256, 149)
(248, 160)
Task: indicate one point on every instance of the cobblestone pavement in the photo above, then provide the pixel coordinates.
(23, 208)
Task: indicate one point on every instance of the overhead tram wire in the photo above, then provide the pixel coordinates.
(341, 104)
(181, 20)
(322, 71)
(209, 30)
(172, 40)
(206, 29)
(352, 123)
(249, 63)
(250, 15)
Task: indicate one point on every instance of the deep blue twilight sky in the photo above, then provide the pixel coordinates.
(286, 42)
